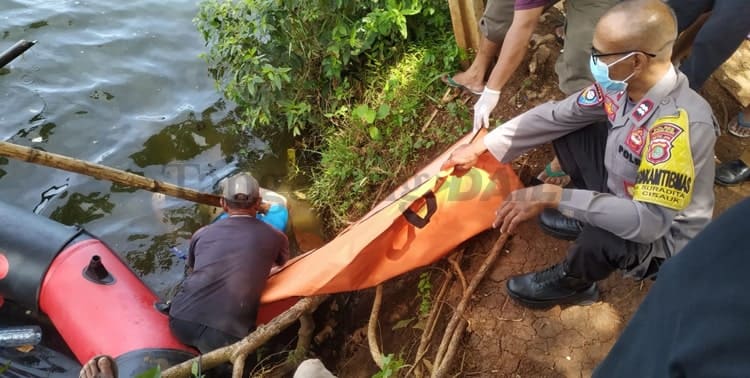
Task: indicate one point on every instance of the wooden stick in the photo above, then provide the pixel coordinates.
(372, 338)
(250, 343)
(442, 363)
(102, 172)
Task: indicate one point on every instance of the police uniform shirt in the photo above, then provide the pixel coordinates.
(659, 158)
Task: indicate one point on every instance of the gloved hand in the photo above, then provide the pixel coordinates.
(482, 109)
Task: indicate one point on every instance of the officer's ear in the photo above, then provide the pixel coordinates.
(639, 62)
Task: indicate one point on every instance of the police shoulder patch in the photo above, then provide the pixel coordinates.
(591, 96)
(667, 172)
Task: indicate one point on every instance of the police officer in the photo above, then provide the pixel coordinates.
(638, 145)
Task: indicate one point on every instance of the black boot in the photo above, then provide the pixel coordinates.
(732, 173)
(554, 223)
(551, 287)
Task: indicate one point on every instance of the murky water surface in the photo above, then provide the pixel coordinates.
(121, 83)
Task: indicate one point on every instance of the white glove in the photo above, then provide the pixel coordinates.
(482, 109)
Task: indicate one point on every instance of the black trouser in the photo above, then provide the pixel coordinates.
(596, 253)
(694, 320)
(719, 37)
(200, 336)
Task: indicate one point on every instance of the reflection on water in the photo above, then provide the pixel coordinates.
(48, 195)
(83, 208)
(186, 140)
(151, 253)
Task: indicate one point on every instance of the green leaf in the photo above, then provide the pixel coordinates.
(375, 133)
(154, 372)
(364, 113)
(383, 111)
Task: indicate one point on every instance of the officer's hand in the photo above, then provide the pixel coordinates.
(462, 159)
(482, 109)
(525, 204)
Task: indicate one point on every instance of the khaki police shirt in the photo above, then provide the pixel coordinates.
(659, 158)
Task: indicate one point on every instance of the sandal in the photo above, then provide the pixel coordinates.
(548, 174)
(739, 127)
(448, 80)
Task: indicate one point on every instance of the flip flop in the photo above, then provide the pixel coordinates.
(553, 174)
(448, 80)
(736, 123)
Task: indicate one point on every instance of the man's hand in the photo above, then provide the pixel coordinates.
(463, 158)
(482, 109)
(524, 204)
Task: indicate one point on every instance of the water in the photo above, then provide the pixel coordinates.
(121, 84)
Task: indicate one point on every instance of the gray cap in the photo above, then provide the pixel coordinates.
(241, 185)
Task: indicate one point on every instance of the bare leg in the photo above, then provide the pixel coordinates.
(473, 78)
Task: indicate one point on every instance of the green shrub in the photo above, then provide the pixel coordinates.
(286, 63)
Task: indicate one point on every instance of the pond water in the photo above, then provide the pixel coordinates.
(121, 83)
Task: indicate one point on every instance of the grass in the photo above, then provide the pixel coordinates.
(372, 146)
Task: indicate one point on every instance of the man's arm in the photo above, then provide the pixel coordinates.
(511, 54)
(514, 47)
(539, 125)
(544, 123)
(633, 219)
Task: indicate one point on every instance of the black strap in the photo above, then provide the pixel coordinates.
(418, 221)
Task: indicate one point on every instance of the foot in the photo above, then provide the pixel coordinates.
(550, 287)
(99, 367)
(732, 173)
(739, 126)
(553, 174)
(467, 81)
(554, 223)
(560, 34)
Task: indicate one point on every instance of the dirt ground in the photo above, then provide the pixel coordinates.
(504, 339)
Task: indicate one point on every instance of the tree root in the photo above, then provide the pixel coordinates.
(456, 326)
(429, 328)
(238, 351)
(372, 338)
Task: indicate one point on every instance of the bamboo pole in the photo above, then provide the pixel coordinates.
(102, 172)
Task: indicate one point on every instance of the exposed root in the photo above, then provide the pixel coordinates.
(429, 328)
(372, 339)
(457, 325)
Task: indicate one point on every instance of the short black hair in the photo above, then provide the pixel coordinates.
(241, 201)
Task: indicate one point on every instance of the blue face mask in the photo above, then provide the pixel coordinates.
(600, 71)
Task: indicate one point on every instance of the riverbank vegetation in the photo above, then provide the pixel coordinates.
(356, 83)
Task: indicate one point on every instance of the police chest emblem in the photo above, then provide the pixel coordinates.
(635, 139)
(591, 96)
(660, 145)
